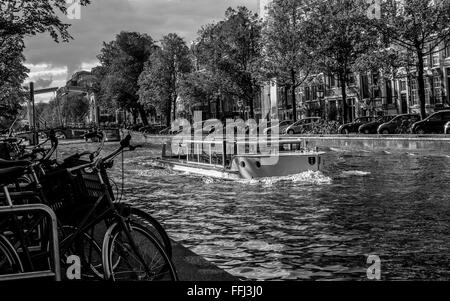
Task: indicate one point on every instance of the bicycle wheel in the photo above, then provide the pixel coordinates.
(148, 262)
(9, 259)
(144, 219)
(87, 249)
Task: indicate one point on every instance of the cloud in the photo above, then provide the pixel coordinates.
(103, 19)
(42, 83)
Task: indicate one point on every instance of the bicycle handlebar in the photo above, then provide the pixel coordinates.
(92, 155)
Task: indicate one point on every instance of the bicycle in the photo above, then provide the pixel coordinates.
(129, 249)
(15, 236)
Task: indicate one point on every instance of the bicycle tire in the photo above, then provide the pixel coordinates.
(145, 219)
(10, 262)
(117, 249)
(83, 246)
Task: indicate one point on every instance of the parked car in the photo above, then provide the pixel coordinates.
(170, 131)
(372, 127)
(435, 123)
(301, 126)
(152, 129)
(447, 128)
(354, 126)
(282, 127)
(135, 127)
(398, 125)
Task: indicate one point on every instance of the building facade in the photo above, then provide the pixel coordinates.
(370, 94)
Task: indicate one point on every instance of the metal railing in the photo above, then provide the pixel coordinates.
(54, 270)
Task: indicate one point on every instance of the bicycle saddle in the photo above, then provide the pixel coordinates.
(9, 175)
(9, 164)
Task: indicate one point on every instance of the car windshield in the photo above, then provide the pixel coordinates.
(385, 118)
(286, 122)
(362, 119)
(435, 117)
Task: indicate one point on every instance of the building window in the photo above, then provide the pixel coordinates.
(332, 81)
(426, 61)
(414, 93)
(403, 86)
(436, 59)
(307, 94)
(428, 96)
(437, 89)
(351, 79)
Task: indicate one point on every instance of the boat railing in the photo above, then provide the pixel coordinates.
(221, 152)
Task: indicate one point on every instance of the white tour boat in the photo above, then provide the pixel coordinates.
(214, 159)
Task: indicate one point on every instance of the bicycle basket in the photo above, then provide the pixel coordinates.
(90, 184)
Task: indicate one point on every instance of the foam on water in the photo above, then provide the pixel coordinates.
(308, 177)
(356, 173)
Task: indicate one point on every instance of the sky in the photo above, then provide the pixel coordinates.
(51, 64)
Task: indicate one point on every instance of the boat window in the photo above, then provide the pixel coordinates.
(285, 147)
(295, 146)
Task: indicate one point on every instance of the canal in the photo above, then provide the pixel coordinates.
(312, 226)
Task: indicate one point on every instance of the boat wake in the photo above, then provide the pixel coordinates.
(309, 177)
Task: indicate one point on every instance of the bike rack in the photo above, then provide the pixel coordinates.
(50, 214)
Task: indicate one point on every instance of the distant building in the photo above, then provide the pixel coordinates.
(80, 85)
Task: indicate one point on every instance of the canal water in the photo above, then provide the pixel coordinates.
(311, 226)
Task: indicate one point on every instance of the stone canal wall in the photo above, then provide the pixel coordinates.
(402, 143)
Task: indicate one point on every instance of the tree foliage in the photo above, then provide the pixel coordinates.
(287, 53)
(25, 18)
(19, 19)
(122, 62)
(338, 36)
(231, 51)
(160, 81)
(419, 27)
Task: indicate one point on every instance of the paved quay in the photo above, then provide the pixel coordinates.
(401, 143)
(192, 267)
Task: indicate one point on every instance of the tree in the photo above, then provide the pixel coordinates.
(159, 83)
(25, 18)
(231, 49)
(18, 19)
(197, 88)
(122, 63)
(12, 75)
(339, 36)
(420, 27)
(287, 57)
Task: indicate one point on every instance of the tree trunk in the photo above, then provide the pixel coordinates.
(169, 113)
(252, 108)
(294, 100)
(135, 115)
(209, 108)
(251, 102)
(174, 116)
(217, 107)
(421, 84)
(143, 114)
(344, 98)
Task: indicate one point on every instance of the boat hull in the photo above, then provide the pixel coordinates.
(254, 167)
